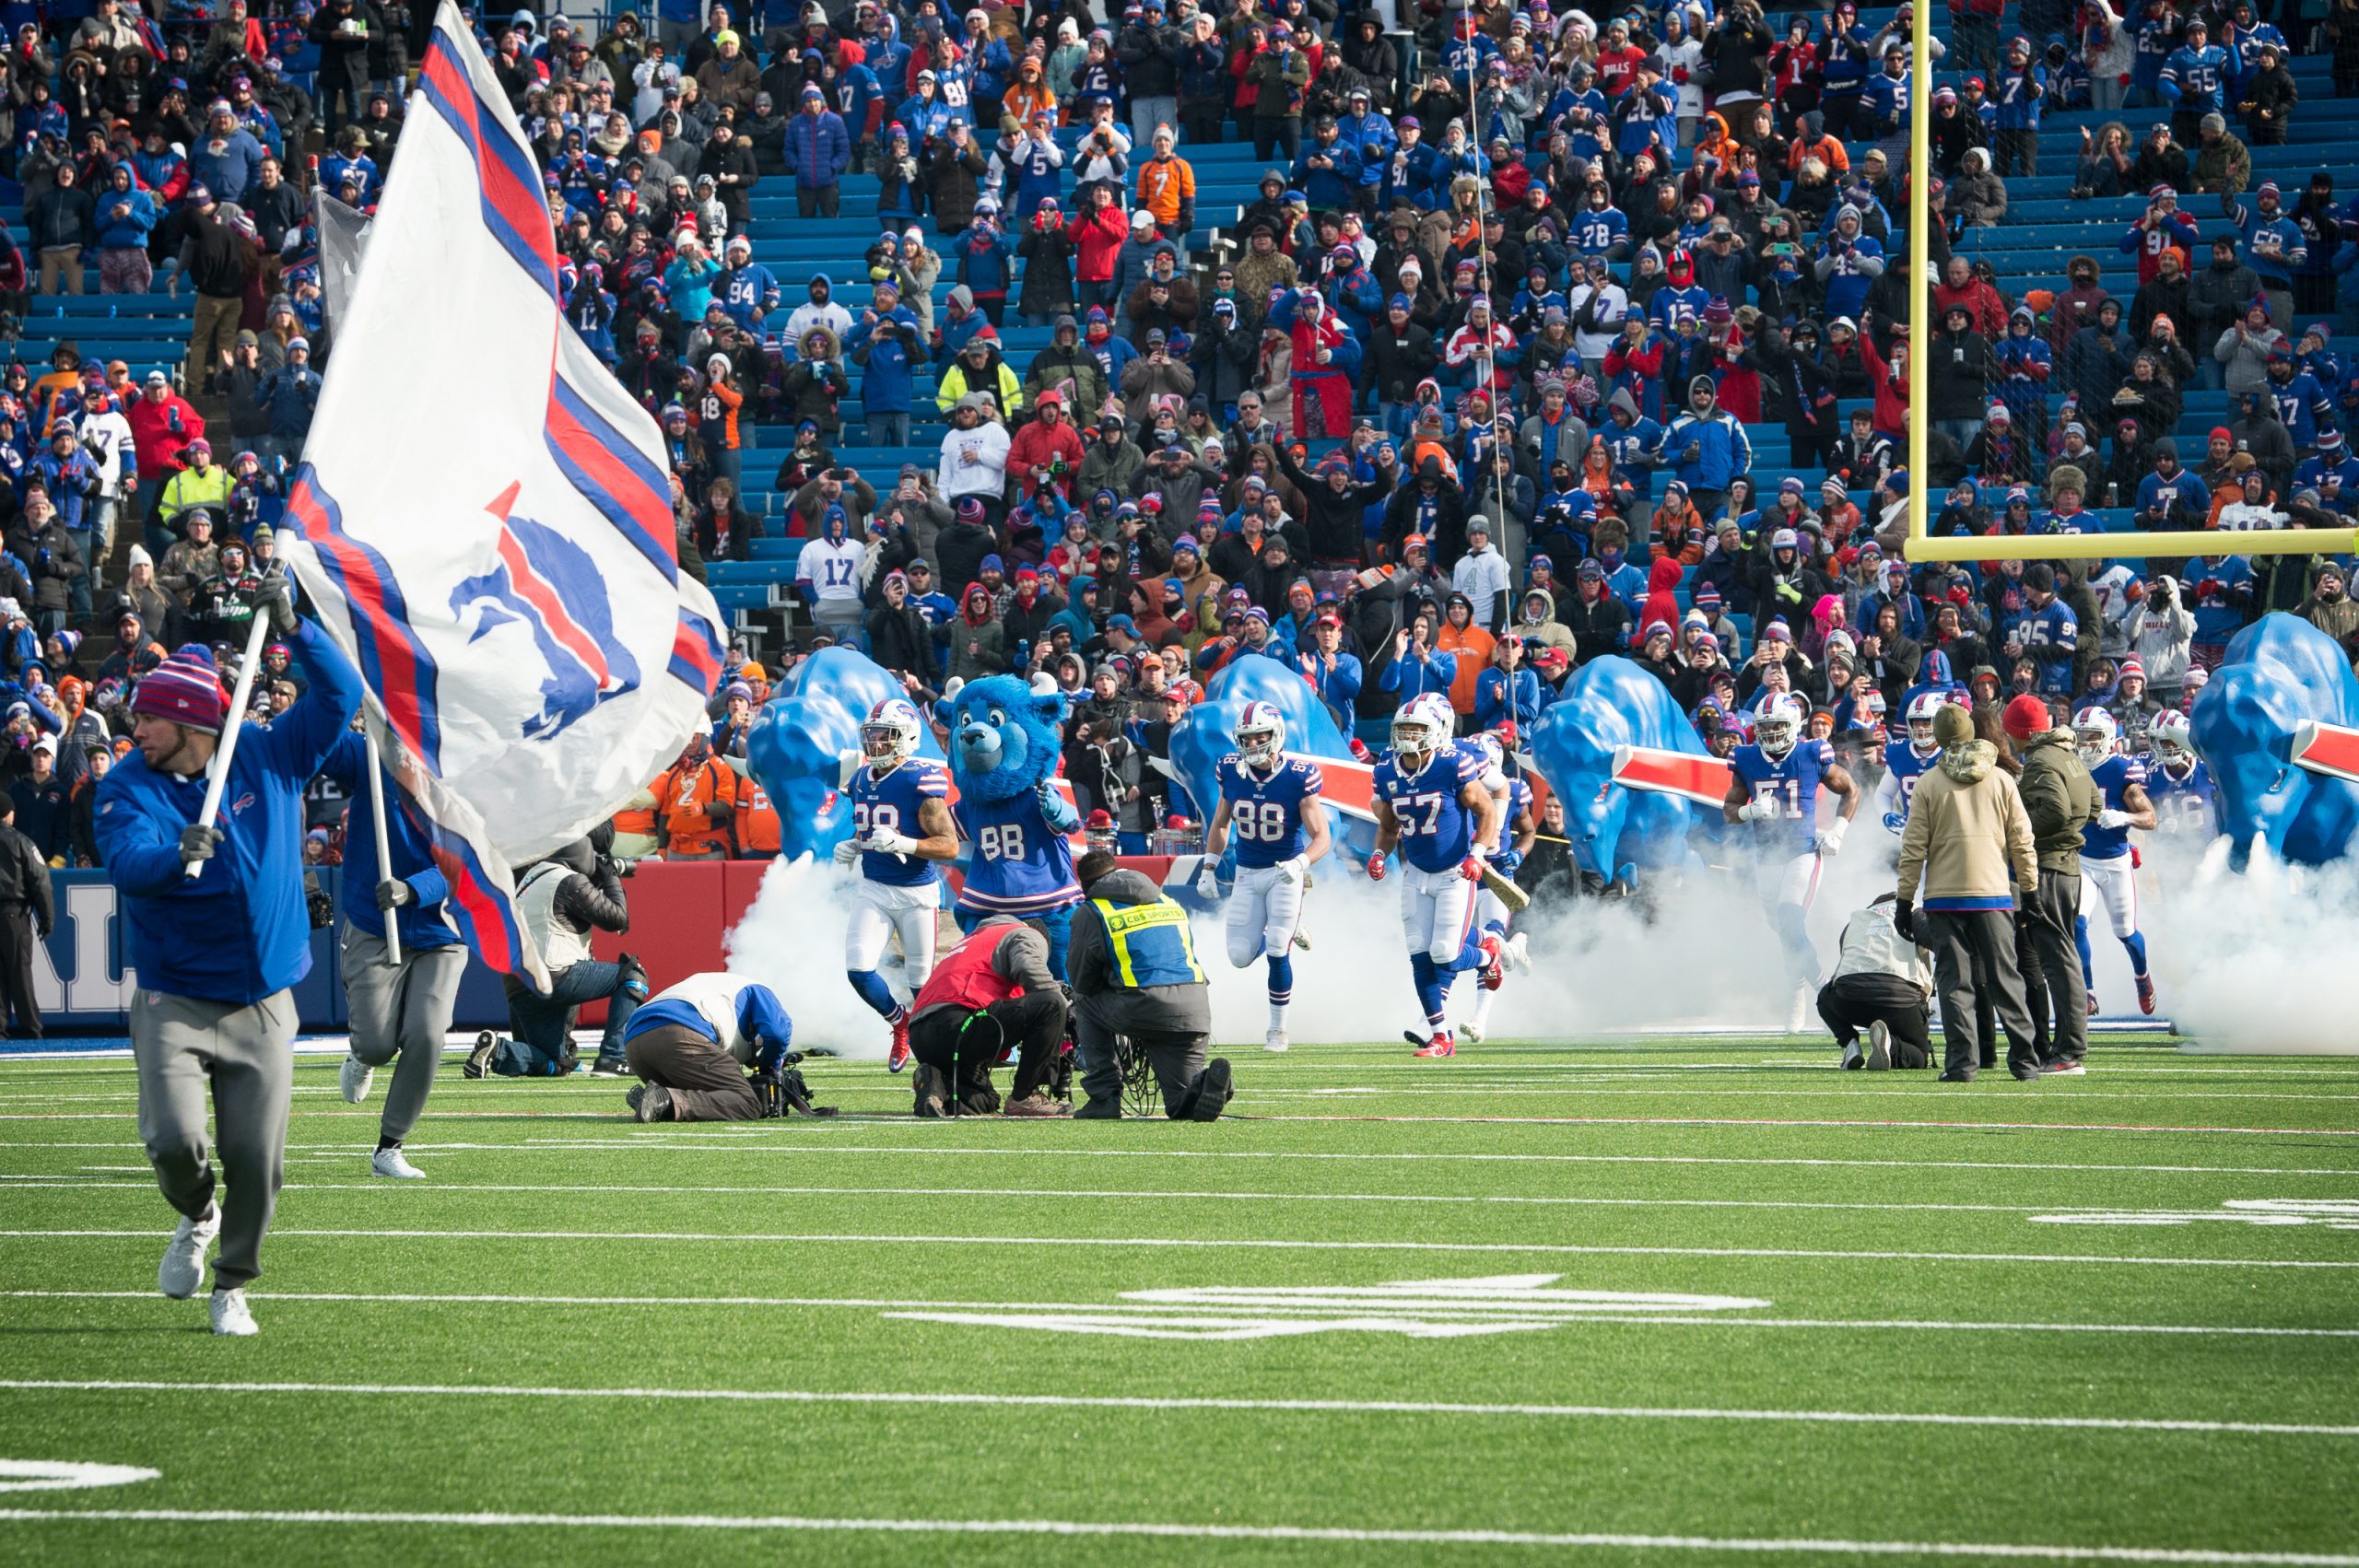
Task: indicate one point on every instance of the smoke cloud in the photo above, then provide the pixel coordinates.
(2246, 963)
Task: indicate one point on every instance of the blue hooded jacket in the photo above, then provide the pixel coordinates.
(423, 924)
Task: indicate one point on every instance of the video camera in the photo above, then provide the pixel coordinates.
(782, 1090)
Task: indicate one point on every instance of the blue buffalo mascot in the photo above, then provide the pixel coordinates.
(1616, 831)
(1004, 742)
(2278, 672)
(797, 747)
(1208, 732)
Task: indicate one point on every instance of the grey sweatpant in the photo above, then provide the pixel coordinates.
(404, 1009)
(245, 1055)
(1973, 954)
(1177, 1056)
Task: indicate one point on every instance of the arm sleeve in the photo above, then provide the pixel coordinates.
(303, 737)
(1022, 957)
(760, 1012)
(139, 858)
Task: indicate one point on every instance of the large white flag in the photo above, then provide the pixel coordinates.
(486, 519)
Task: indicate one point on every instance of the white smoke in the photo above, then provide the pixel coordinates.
(793, 940)
(2249, 964)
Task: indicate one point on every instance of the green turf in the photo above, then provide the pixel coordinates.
(1887, 1223)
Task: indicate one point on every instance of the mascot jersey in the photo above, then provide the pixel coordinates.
(2185, 805)
(2114, 775)
(1266, 813)
(1436, 827)
(893, 803)
(1021, 865)
(1791, 785)
(1902, 760)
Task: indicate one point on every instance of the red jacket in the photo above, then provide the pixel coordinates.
(1098, 238)
(1038, 445)
(154, 437)
(965, 979)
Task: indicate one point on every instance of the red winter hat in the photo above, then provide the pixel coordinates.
(2025, 717)
(185, 689)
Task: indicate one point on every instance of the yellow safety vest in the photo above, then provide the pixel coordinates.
(1152, 943)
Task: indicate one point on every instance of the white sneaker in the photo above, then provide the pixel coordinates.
(392, 1163)
(353, 1078)
(183, 1269)
(1798, 1020)
(231, 1315)
(1517, 953)
(1276, 1040)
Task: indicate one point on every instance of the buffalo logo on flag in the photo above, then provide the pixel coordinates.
(484, 518)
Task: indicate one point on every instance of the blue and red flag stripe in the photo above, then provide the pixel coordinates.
(486, 914)
(513, 207)
(614, 477)
(395, 661)
(696, 652)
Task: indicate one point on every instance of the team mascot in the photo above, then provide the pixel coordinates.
(1616, 831)
(1004, 744)
(797, 747)
(2278, 672)
(1207, 733)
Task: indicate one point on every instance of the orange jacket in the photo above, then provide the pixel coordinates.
(684, 799)
(1165, 185)
(756, 825)
(1472, 647)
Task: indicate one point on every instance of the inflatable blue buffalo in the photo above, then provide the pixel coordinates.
(2278, 672)
(1616, 831)
(796, 747)
(1208, 732)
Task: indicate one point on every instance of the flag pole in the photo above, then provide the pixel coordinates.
(384, 847)
(217, 773)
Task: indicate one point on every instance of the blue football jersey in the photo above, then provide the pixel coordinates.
(893, 801)
(2185, 807)
(1790, 784)
(1021, 865)
(1436, 827)
(1900, 760)
(1265, 814)
(2113, 777)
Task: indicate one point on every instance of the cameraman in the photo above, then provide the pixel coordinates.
(1135, 972)
(690, 1047)
(563, 899)
(993, 991)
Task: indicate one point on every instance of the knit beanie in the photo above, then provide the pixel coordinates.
(2025, 717)
(1952, 725)
(185, 688)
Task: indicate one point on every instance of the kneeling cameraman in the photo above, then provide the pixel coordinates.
(1882, 981)
(990, 992)
(690, 1045)
(1135, 972)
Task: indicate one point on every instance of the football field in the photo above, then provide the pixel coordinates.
(1679, 1301)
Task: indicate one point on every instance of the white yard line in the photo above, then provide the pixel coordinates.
(1842, 1325)
(1238, 1242)
(788, 1524)
(1280, 1407)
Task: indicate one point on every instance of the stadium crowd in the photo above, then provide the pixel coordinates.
(1467, 396)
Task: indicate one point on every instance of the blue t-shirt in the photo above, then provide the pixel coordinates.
(1900, 760)
(1021, 865)
(1790, 784)
(2185, 807)
(2114, 775)
(893, 801)
(1265, 813)
(1436, 829)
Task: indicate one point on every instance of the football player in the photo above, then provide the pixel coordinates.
(1271, 801)
(1774, 783)
(902, 832)
(1905, 761)
(1517, 827)
(2106, 861)
(1431, 804)
(2186, 801)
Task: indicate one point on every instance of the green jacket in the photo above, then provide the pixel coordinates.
(2060, 798)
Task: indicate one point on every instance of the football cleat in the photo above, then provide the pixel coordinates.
(183, 1269)
(1276, 1040)
(479, 1060)
(1472, 1030)
(392, 1163)
(898, 1057)
(1491, 971)
(1302, 939)
(353, 1078)
(1798, 1020)
(1517, 953)
(2146, 995)
(231, 1316)
(1441, 1045)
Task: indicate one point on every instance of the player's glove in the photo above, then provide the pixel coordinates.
(1471, 867)
(889, 841)
(1376, 867)
(1293, 870)
(1894, 822)
(1752, 810)
(848, 851)
(392, 893)
(2111, 819)
(197, 841)
(1207, 879)
(1830, 837)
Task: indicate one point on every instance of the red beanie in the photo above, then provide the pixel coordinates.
(2025, 717)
